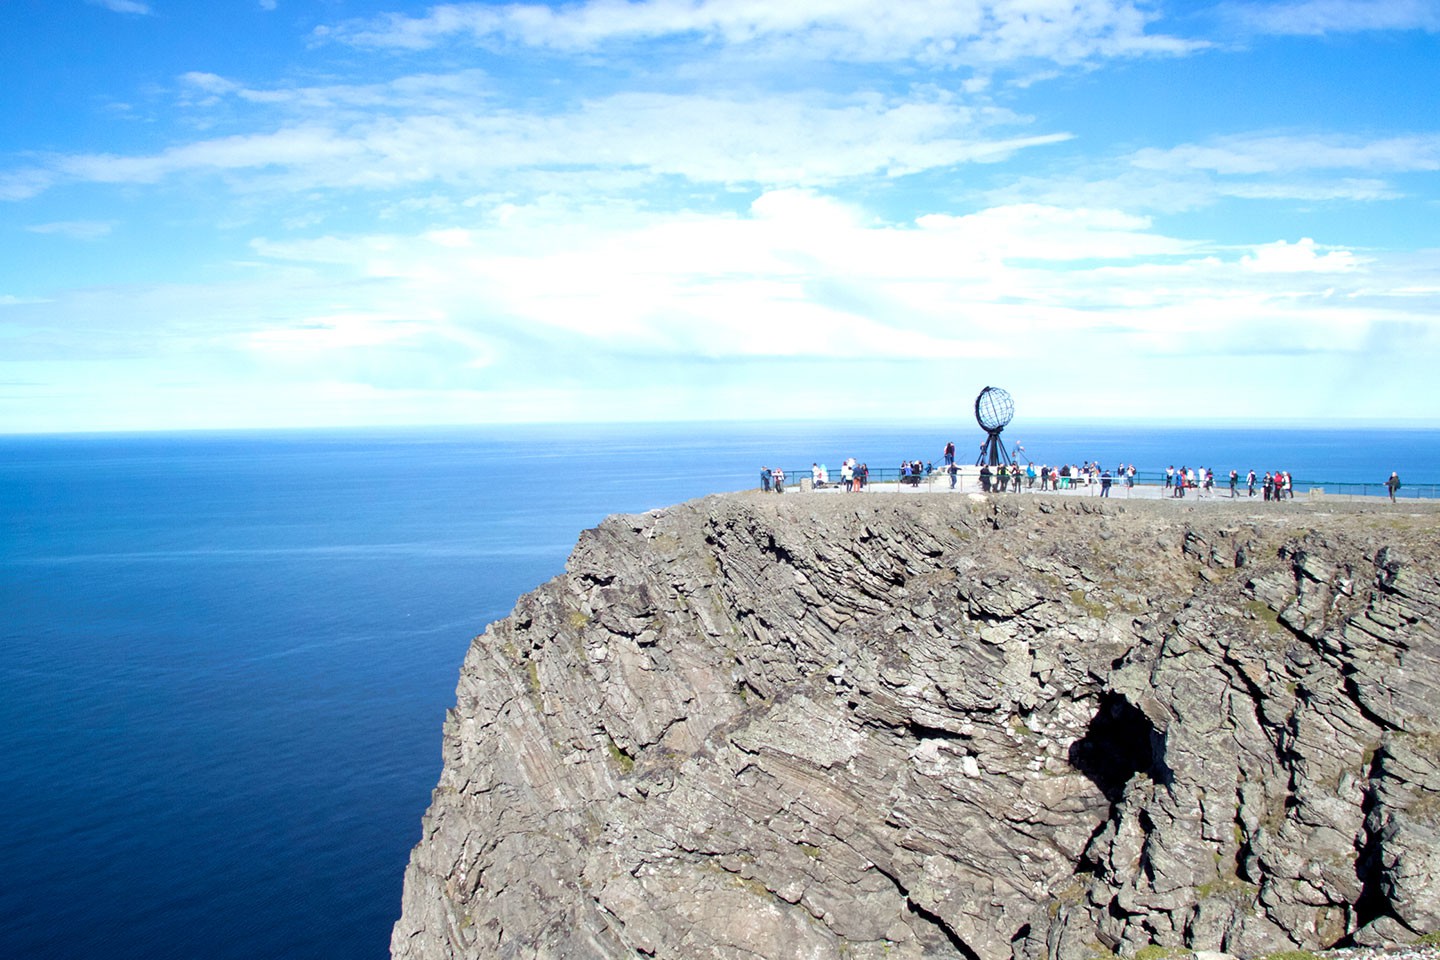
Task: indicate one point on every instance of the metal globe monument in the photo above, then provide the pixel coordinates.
(993, 410)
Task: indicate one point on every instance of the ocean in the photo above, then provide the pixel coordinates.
(225, 658)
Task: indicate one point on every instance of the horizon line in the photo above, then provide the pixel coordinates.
(1195, 423)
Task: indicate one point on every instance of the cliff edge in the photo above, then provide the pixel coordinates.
(916, 726)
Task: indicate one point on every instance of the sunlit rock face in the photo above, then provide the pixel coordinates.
(925, 725)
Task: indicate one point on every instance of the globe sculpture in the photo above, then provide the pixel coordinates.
(993, 410)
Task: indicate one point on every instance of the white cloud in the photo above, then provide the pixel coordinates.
(803, 275)
(803, 139)
(124, 6)
(941, 32)
(1266, 153)
(24, 184)
(597, 301)
(466, 91)
(311, 334)
(1254, 166)
(1034, 231)
(1318, 17)
(75, 229)
(1301, 257)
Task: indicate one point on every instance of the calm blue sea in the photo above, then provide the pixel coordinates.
(225, 659)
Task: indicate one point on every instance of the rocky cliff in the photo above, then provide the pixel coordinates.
(906, 726)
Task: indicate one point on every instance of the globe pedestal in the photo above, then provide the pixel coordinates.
(993, 451)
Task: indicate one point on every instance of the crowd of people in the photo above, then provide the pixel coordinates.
(1090, 474)
(853, 476)
(1013, 477)
(1273, 485)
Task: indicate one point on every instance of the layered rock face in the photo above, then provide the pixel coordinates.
(929, 726)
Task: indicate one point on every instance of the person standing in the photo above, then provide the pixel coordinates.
(778, 476)
(1169, 477)
(949, 453)
(1250, 481)
(1234, 479)
(1393, 484)
(1105, 480)
(954, 472)
(764, 479)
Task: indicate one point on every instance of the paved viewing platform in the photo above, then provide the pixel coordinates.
(939, 483)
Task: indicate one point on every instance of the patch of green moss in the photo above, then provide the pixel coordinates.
(1092, 607)
(1156, 952)
(622, 759)
(1426, 807)
(1265, 615)
(1019, 727)
(1098, 952)
(755, 887)
(1071, 893)
(1291, 955)
(810, 851)
(1230, 888)
(578, 619)
(1425, 744)
(1431, 939)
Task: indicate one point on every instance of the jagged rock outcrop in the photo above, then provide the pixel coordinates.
(906, 726)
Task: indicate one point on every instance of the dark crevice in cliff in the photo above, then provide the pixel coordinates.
(920, 731)
(1352, 691)
(779, 552)
(1373, 902)
(961, 947)
(1120, 743)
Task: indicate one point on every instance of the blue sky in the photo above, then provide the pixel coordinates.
(254, 213)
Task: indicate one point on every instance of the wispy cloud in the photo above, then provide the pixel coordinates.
(1267, 153)
(802, 139)
(975, 33)
(1262, 165)
(75, 229)
(802, 274)
(25, 183)
(1319, 17)
(124, 6)
(461, 90)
